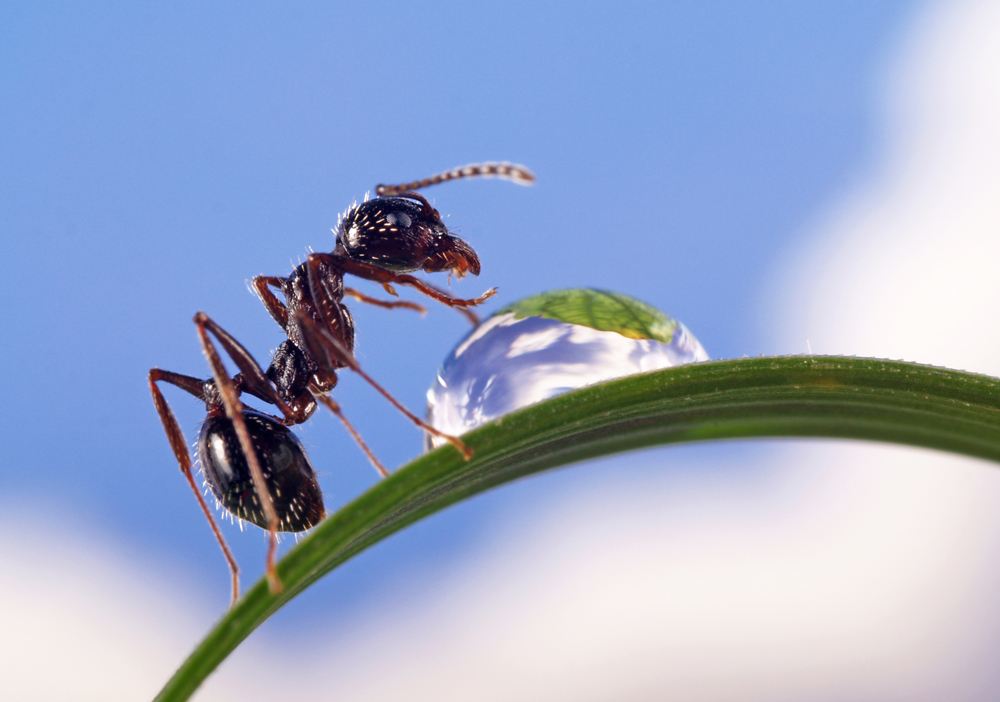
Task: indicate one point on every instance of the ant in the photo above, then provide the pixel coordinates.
(252, 462)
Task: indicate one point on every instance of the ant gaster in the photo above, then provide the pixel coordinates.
(254, 465)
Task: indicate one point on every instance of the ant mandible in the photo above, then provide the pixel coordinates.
(254, 465)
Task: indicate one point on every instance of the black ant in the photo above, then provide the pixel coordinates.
(253, 464)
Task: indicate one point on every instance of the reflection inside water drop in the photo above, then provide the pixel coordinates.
(509, 362)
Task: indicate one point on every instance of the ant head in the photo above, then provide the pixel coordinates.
(404, 234)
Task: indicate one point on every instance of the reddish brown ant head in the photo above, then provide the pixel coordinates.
(404, 234)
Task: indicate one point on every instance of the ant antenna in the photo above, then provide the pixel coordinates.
(507, 171)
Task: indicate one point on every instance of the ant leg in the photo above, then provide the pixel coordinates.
(252, 376)
(440, 294)
(279, 313)
(434, 293)
(387, 278)
(323, 345)
(262, 285)
(328, 402)
(464, 311)
(388, 304)
(234, 411)
(179, 446)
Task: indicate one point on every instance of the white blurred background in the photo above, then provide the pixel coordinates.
(767, 571)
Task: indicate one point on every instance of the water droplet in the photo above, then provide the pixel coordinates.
(548, 344)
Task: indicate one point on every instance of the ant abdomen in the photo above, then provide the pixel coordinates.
(289, 475)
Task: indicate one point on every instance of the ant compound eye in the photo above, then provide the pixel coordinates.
(400, 220)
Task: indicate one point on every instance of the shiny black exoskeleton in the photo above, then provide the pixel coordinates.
(403, 235)
(289, 475)
(253, 464)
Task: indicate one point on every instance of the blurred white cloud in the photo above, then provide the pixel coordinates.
(852, 572)
(904, 266)
(81, 620)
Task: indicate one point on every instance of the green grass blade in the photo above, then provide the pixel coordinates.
(788, 396)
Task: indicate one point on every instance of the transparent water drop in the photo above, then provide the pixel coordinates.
(548, 344)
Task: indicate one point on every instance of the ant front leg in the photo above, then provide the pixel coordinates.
(234, 411)
(262, 285)
(179, 445)
(387, 304)
(463, 310)
(387, 278)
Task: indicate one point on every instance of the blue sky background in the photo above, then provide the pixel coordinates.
(153, 160)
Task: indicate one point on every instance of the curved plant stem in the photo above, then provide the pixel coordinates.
(855, 398)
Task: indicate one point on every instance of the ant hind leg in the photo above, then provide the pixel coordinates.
(234, 411)
(179, 445)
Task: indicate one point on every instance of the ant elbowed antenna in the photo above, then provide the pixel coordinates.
(253, 464)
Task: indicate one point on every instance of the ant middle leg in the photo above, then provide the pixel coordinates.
(333, 353)
(279, 312)
(179, 446)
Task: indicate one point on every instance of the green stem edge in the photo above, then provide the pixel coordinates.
(793, 396)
